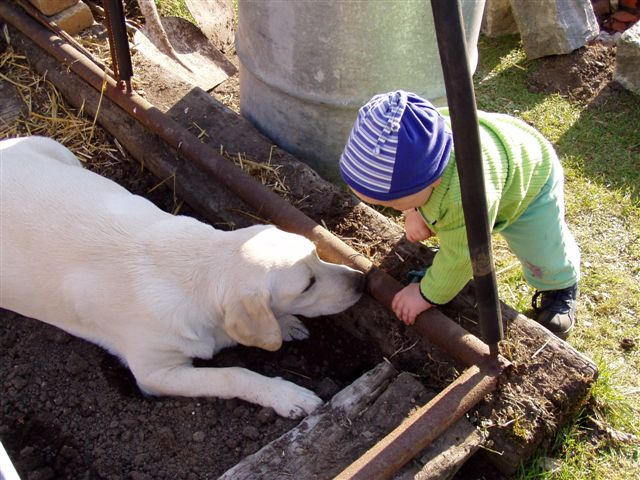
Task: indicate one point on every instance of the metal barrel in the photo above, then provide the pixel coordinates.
(307, 67)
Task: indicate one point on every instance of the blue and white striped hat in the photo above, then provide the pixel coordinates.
(398, 145)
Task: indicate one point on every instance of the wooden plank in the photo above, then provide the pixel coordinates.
(444, 457)
(11, 105)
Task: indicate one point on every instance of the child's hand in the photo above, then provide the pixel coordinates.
(414, 226)
(408, 303)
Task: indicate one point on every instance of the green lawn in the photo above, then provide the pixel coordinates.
(600, 151)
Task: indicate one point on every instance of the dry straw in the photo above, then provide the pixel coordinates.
(46, 113)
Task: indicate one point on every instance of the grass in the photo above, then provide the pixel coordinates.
(600, 151)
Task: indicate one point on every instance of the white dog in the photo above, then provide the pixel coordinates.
(80, 252)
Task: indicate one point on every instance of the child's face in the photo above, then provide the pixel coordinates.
(415, 200)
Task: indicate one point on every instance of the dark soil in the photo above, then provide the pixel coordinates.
(71, 410)
(584, 75)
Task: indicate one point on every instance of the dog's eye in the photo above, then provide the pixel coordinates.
(311, 282)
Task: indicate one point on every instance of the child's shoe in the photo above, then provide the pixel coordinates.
(557, 310)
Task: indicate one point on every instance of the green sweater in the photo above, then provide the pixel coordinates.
(517, 162)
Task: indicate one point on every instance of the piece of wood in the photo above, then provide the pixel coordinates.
(11, 105)
(444, 457)
(330, 439)
(325, 443)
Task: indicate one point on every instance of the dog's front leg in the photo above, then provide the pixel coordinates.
(286, 398)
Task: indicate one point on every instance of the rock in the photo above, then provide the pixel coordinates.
(19, 383)
(74, 19)
(199, 436)
(75, 364)
(167, 437)
(327, 388)
(251, 432)
(45, 473)
(240, 412)
(231, 442)
(265, 415)
(135, 475)
(560, 27)
(51, 7)
(58, 336)
(607, 38)
(627, 71)
(68, 451)
(498, 19)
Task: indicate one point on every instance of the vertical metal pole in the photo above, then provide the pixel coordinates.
(118, 41)
(466, 139)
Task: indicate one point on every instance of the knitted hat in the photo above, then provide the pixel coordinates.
(398, 145)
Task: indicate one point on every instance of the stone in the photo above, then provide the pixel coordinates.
(554, 27)
(51, 7)
(74, 19)
(498, 20)
(627, 72)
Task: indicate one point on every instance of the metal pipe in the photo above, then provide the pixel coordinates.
(420, 429)
(466, 139)
(118, 41)
(432, 324)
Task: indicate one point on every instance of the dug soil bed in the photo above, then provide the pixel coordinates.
(70, 410)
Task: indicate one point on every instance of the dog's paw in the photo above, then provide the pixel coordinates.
(295, 401)
(292, 328)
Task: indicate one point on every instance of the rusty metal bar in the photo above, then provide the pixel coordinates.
(432, 324)
(420, 429)
(118, 42)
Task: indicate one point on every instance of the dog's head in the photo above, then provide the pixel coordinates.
(279, 273)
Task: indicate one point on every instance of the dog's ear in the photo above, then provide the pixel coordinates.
(251, 322)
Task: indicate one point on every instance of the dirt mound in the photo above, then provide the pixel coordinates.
(68, 409)
(581, 75)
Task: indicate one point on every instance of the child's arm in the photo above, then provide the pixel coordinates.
(415, 227)
(451, 267)
(449, 272)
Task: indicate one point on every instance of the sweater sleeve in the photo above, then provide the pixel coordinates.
(451, 267)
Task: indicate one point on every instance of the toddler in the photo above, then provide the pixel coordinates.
(399, 154)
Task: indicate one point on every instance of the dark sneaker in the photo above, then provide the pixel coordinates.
(556, 310)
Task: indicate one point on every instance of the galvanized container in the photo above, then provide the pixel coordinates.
(308, 66)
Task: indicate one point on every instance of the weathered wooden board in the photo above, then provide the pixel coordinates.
(326, 442)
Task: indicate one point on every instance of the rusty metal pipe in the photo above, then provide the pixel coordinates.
(432, 324)
(420, 429)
